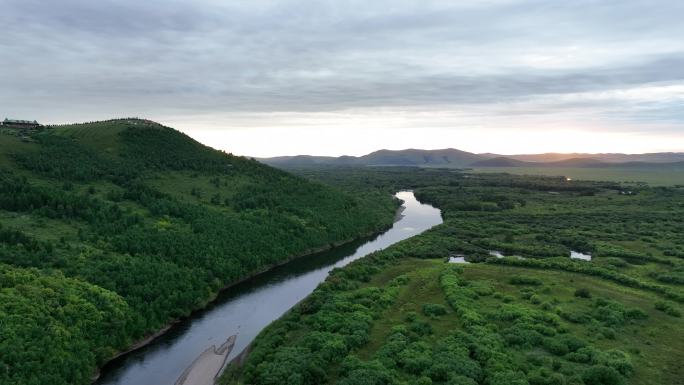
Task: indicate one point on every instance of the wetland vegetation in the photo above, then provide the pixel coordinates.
(406, 316)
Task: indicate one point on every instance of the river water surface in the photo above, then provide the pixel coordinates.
(245, 309)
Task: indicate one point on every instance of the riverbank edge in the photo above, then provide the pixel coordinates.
(150, 338)
(241, 357)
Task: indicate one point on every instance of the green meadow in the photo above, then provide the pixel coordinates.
(653, 176)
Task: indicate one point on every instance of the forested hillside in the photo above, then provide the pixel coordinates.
(111, 230)
(550, 282)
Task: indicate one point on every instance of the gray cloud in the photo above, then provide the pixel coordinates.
(78, 59)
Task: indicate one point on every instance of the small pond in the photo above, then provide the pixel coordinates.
(578, 255)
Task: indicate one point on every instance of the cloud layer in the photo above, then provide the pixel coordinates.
(611, 65)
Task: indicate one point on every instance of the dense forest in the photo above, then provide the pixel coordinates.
(556, 282)
(111, 230)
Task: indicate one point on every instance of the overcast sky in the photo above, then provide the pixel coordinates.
(339, 77)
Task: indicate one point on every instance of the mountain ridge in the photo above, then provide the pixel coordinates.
(451, 157)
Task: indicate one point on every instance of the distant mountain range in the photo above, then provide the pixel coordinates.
(461, 159)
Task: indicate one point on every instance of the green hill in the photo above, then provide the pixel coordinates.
(500, 161)
(110, 230)
(446, 158)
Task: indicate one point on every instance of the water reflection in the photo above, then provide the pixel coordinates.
(457, 260)
(578, 255)
(495, 253)
(498, 254)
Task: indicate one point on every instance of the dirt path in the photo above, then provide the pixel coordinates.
(206, 367)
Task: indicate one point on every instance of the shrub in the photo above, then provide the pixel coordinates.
(635, 313)
(420, 327)
(668, 308)
(669, 277)
(526, 293)
(291, 366)
(583, 355)
(574, 317)
(573, 343)
(328, 345)
(556, 346)
(461, 380)
(582, 293)
(608, 333)
(414, 362)
(367, 377)
(615, 359)
(538, 359)
(518, 335)
(450, 359)
(523, 280)
(508, 378)
(613, 313)
(434, 310)
(615, 261)
(602, 375)
(544, 376)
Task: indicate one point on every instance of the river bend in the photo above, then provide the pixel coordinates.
(247, 308)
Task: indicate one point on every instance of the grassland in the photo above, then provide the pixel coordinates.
(539, 331)
(653, 176)
(654, 343)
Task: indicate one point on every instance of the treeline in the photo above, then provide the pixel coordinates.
(56, 329)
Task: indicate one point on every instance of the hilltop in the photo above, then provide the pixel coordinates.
(111, 230)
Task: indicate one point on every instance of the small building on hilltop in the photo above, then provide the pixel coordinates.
(14, 123)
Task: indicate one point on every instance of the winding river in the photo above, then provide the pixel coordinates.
(245, 309)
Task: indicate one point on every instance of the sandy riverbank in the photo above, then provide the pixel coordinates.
(206, 368)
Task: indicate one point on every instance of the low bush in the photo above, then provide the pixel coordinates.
(523, 280)
(668, 308)
(602, 375)
(582, 293)
(434, 310)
